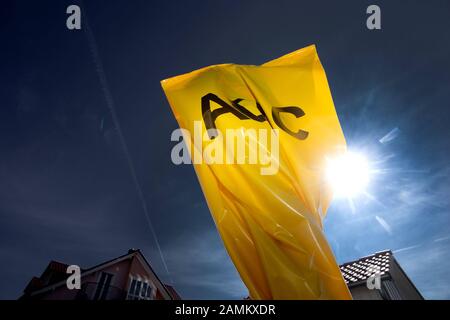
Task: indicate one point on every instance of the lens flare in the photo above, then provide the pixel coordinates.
(348, 174)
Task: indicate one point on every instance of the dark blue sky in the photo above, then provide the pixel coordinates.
(66, 192)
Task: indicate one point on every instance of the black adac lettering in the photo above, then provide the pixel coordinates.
(297, 112)
(209, 116)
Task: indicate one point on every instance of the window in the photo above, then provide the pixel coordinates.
(101, 293)
(139, 290)
(133, 285)
(149, 292)
(144, 289)
(390, 291)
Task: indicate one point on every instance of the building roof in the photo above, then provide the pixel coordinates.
(173, 292)
(55, 275)
(358, 271)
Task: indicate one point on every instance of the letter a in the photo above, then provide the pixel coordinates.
(374, 282)
(374, 20)
(74, 280)
(74, 20)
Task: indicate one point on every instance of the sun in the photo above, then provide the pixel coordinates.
(348, 174)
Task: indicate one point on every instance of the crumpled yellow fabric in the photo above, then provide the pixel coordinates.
(270, 224)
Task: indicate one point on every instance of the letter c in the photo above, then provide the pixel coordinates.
(297, 112)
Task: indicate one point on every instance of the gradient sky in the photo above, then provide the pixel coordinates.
(66, 192)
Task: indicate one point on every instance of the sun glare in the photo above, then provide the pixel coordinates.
(348, 174)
